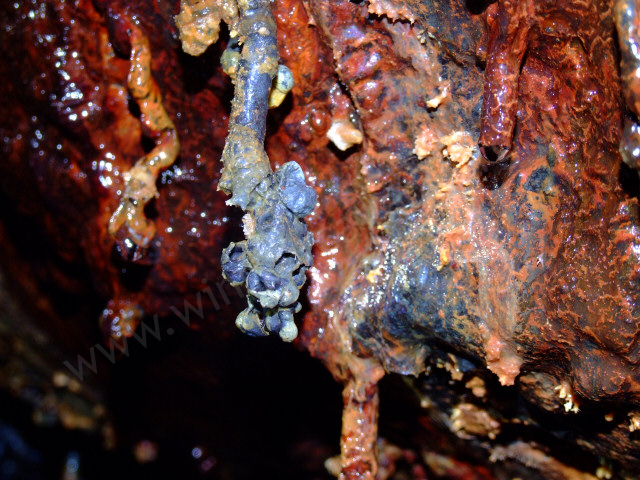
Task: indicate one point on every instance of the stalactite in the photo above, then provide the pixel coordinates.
(273, 260)
(509, 22)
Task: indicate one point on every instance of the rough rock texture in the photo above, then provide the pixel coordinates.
(506, 287)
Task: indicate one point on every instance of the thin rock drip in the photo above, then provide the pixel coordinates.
(129, 224)
(509, 24)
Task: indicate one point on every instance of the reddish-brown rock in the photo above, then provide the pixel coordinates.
(516, 275)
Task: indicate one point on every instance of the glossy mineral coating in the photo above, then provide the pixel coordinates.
(128, 223)
(274, 259)
(510, 289)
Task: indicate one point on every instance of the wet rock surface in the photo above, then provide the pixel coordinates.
(476, 226)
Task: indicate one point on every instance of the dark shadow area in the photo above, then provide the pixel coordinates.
(477, 7)
(232, 408)
(255, 407)
(629, 180)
